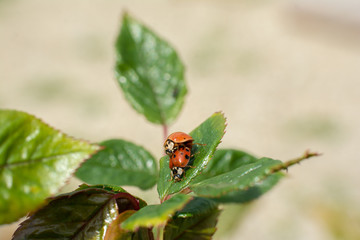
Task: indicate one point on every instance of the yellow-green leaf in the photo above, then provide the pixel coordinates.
(35, 161)
(155, 215)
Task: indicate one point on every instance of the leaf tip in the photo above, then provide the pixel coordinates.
(224, 119)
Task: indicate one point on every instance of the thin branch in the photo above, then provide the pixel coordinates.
(289, 163)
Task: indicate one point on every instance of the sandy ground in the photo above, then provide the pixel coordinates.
(286, 80)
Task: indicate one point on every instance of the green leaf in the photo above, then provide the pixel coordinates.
(149, 72)
(225, 160)
(208, 133)
(35, 161)
(248, 181)
(82, 214)
(251, 193)
(120, 163)
(197, 220)
(242, 184)
(156, 215)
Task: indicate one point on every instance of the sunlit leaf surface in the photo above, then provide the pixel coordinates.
(35, 161)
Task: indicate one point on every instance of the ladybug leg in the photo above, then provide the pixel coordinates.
(171, 176)
(192, 155)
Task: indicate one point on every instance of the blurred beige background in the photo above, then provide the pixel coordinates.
(286, 74)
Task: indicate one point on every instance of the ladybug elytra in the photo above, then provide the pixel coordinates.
(176, 139)
(179, 161)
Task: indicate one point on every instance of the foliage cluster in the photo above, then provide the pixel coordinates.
(36, 160)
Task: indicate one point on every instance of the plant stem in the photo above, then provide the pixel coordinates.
(160, 233)
(165, 131)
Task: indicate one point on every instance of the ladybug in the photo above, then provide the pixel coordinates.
(176, 139)
(179, 160)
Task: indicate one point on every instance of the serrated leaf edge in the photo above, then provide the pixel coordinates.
(274, 169)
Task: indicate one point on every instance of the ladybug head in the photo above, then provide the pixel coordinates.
(169, 147)
(177, 173)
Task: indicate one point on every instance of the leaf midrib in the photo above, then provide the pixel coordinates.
(36, 160)
(234, 189)
(151, 85)
(156, 98)
(96, 212)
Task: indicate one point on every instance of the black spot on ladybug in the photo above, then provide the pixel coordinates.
(174, 156)
(187, 149)
(182, 153)
(187, 156)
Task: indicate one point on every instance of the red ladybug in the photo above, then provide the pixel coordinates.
(176, 139)
(179, 160)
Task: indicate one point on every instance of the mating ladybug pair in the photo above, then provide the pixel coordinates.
(178, 146)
